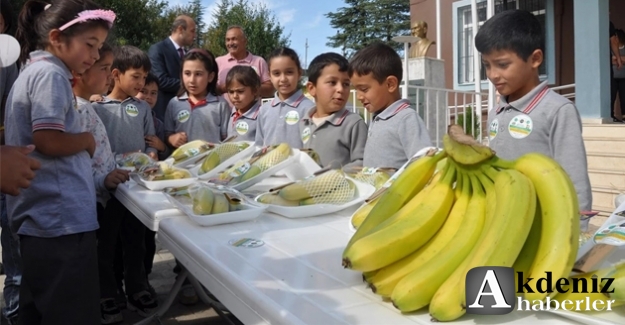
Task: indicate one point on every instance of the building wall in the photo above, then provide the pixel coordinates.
(563, 24)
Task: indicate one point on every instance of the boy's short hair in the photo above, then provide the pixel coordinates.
(130, 57)
(378, 59)
(151, 79)
(518, 31)
(321, 61)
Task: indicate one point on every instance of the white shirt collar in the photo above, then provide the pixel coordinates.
(175, 44)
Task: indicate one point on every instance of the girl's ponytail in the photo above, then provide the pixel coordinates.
(26, 33)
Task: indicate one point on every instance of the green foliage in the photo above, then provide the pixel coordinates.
(264, 33)
(472, 123)
(193, 9)
(361, 22)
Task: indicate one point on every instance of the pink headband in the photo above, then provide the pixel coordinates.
(106, 15)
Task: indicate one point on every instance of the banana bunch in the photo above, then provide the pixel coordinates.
(372, 176)
(133, 159)
(207, 201)
(417, 238)
(190, 150)
(329, 187)
(616, 290)
(258, 163)
(161, 171)
(220, 154)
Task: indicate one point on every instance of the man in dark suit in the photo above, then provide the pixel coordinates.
(166, 56)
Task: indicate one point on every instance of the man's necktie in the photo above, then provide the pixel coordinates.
(181, 52)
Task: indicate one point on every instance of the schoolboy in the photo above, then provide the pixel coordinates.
(128, 121)
(396, 132)
(149, 94)
(530, 117)
(336, 134)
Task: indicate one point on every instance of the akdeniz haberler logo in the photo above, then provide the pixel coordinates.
(490, 290)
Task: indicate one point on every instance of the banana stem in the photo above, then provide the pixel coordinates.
(501, 163)
(450, 172)
(476, 187)
(489, 171)
(487, 183)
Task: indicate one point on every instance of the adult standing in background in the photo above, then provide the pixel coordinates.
(236, 44)
(618, 64)
(166, 57)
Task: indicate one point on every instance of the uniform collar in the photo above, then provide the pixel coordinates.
(107, 99)
(393, 109)
(527, 103)
(47, 56)
(251, 113)
(335, 118)
(210, 98)
(247, 59)
(292, 101)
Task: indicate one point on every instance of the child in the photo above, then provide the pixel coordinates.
(279, 119)
(149, 93)
(95, 80)
(243, 85)
(128, 121)
(197, 113)
(530, 116)
(336, 134)
(56, 217)
(396, 132)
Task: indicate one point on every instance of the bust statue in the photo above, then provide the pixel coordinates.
(421, 47)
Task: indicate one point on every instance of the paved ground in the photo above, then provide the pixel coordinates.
(162, 279)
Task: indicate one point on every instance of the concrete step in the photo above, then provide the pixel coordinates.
(603, 130)
(607, 179)
(603, 198)
(605, 144)
(606, 161)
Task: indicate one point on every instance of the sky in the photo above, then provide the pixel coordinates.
(298, 18)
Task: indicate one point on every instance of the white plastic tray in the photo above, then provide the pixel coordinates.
(363, 191)
(269, 172)
(192, 160)
(250, 211)
(249, 151)
(160, 185)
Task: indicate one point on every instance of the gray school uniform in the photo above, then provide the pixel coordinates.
(543, 121)
(244, 127)
(339, 141)
(207, 120)
(395, 135)
(61, 199)
(279, 120)
(127, 123)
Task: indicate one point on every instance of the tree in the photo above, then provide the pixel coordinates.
(193, 9)
(264, 33)
(364, 21)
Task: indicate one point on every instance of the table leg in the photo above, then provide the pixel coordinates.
(217, 306)
(170, 299)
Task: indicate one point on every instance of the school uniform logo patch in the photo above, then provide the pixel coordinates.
(242, 127)
(292, 117)
(183, 116)
(521, 126)
(132, 110)
(306, 135)
(493, 129)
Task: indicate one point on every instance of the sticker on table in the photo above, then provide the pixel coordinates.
(246, 242)
(521, 126)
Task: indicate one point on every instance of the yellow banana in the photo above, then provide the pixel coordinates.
(594, 299)
(617, 272)
(499, 245)
(463, 148)
(203, 201)
(315, 186)
(559, 240)
(527, 255)
(270, 159)
(275, 199)
(416, 289)
(403, 235)
(359, 216)
(211, 161)
(220, 154)
(386, 279)
(190, 149)
(410, 182)
(220, 204)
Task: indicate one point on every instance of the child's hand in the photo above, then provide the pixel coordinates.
(154, 142)
(90, 143)
(153, 155)
(177, 139)
(115, 178)
(96, 98)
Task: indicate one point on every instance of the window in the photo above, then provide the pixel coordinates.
(463, 34)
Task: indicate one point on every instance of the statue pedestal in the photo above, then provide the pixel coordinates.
(431, 104)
